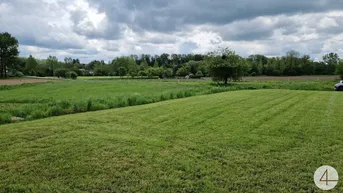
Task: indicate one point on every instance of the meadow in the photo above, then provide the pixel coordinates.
(40, 100)
(241, 141)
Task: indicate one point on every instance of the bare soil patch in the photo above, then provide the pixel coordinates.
(17, 81)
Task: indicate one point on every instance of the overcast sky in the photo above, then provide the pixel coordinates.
(104, 29)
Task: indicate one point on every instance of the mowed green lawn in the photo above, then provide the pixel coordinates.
(241, 141)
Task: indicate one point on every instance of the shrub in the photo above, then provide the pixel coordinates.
(142, 73)
(19, 74)
(163, 97)
(199, 74)
(168, 73)
(97, 106)
(37, 114)
(180, 94)
(89, 104)
(339, 69)
(61, 72)
(5, 118)
(63, 104)
(55, 111)
(253, 74)
(71, 74)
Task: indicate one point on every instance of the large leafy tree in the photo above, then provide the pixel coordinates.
(331, 60)
(339, 69)
(52, 63)
(31, 66)
(8, 52)
(226, 65)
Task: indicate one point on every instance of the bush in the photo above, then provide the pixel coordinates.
(18, 74)
(199, 74)
(71, 74)
(38, 114)
(40, 74)
(142, 73)
(61, 72)
(5, 118)
(55, 111)
(339, 69)
(253, 74)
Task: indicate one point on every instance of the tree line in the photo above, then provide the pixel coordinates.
(222, 64)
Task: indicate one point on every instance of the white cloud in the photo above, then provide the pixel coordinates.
(82, 29)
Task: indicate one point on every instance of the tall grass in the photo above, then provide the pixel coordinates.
(31, 108)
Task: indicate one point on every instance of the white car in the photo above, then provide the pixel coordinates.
(339, 86)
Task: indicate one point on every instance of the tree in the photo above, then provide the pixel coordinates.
(156, 64)
(133, 70)
(199, 74)
(339, 69)
(101, 69)
(8, 52)
(183, 71)
(61, 72)
(31, 66)
(193, 66)
(144, 65)
(225, 64)
(168, 73)
(331, 60)
(121, 71)
(52, 63)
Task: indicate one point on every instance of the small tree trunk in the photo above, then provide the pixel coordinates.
(5, 70)
(225, 81)
(1, 70)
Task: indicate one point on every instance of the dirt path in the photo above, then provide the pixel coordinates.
(23, 81)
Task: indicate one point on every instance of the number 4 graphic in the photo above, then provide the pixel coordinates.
(326, 174)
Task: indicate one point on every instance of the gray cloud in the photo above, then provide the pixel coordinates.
(171, 15)
(93, 29)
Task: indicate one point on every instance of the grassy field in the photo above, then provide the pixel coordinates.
(34, 101)
(114, 77)
(242, 141)
(291, 78)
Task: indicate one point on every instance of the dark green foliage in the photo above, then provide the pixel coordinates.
(153, 71)
(331, 60)
(89, 105)
(55, 111)
(168, 73)
(226, 65)
(183, 71)
(71, 75)
(121, 71)
(199, 74)
(5, 118)
(168, 66)
(339, 69)
(31, 67)
(142, 73)
(8, 53)
(61, 72)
